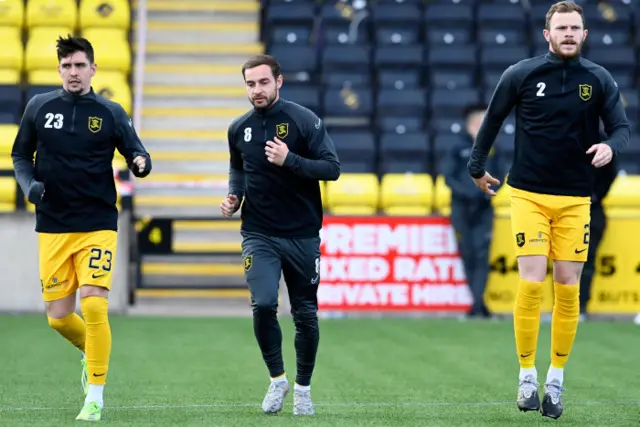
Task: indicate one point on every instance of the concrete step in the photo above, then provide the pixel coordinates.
(175, 72)
(198, 183)
(204, 50)
(181, 211)
(204, 101)
(187, 89)
(184, 78)
(202, 32)
(196, 167)
(231, 7)
(170, 136)
(206, 150)
(159, 123)
(163, 53)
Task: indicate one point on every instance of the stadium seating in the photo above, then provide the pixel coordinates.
(7, 194)
(8, 134)
(51, 13)
(406, 194)
(12, 13)
(353, 194)
(392, 78)
(105, 14)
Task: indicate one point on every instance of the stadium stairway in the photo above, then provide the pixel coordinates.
(193, 88)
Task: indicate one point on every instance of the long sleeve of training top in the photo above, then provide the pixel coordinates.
(558, 106)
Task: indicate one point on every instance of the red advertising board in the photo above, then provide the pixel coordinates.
(391, 264)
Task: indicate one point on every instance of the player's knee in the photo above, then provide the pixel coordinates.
(567, 272)
(93, 291)
(533, 268)
(265, 305)
(57, 323)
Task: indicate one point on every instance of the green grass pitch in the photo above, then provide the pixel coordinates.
(370, 372)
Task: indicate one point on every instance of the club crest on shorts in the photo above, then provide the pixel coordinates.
(520, 240)
(95, 124)
(585, 92)
(282, 130)
(248, 262)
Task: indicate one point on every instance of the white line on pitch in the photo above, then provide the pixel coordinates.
(326, 404)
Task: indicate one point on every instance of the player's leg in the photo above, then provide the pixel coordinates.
(301, 268)
(94, 262)
(570, 245)
(530, 225)
(480, 244)
(463, 225)
(59, 284)
(262, 268)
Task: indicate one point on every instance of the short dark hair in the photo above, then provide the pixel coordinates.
(563, 7)
(262, 59)
(70, 45)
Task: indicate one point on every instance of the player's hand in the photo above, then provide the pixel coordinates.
(141, 163)
(36, 192)
(230, 205)
(276, 151)
(603, 154)
(486, 182)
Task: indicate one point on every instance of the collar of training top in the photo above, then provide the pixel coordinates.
(274, 108)
(68, 96)
(555, 59)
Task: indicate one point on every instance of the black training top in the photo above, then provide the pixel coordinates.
(281, 201)
(558, 105)
(75, 137)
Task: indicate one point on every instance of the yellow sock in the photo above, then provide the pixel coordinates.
(564, 322)
(98, 346)
(72, 328)
(526, 321)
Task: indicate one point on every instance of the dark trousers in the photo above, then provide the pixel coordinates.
(265, 259)
(473, 224)
(596, 232)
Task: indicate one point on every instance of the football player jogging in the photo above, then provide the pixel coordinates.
(279, 151)
(75, 133)
(559, 99)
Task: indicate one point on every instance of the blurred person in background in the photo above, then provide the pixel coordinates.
(605, 176)
(471, 211)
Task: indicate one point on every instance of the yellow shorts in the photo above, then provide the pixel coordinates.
(554, 226)
(70, 260)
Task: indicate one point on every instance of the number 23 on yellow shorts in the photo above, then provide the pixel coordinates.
(70, 260)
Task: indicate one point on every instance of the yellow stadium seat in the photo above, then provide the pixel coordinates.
(6, 164)
(112, 54)
(624, 193)
(49, 13)
(10, 77)
(353, 194)
(7, 194)
(12, 54)
(98, 34)
(44, 77)
(119, 163)
(323, 194)
(442, 196)
(12, 13)
(406, 194)
(105, 14)
(8, 134)
(40, 53)
(113, 85)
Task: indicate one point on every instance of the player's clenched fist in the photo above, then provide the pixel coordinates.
(140, 162)
(276, 151)
(229, 206)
